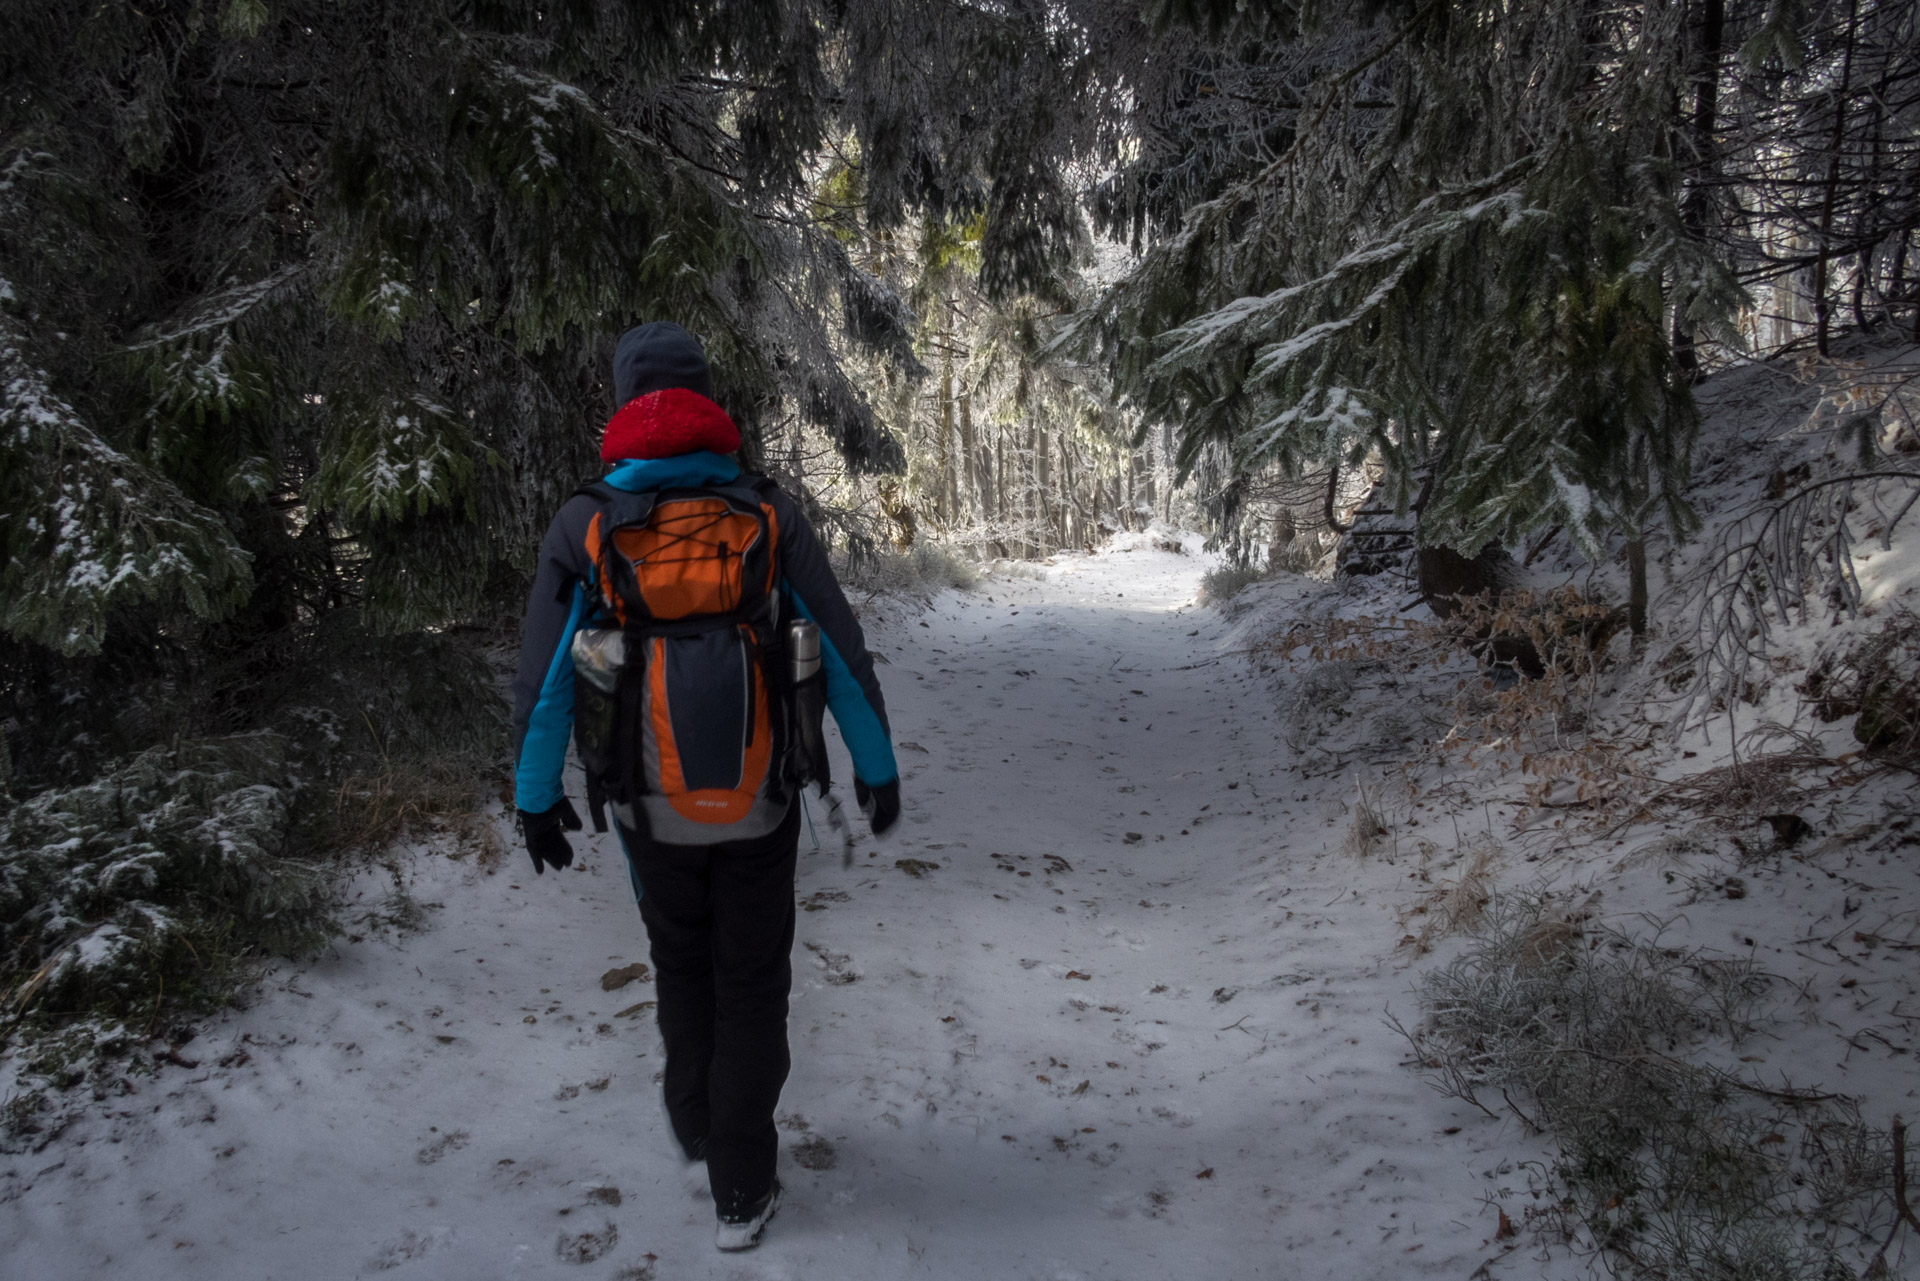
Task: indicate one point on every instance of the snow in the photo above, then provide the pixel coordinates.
(220, 311)
(1200, 334)
(1112, 1003)
(1274, 358)
(1341, 415)
(1061, 1052)
(409, 462)
(101, 947)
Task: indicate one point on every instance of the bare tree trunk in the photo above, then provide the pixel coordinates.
(1916, 289)
(1895, 287)
(1166, 449)
(1637, 587)
(1000, 484)
(1876, 106)
(941, 507)
(1858, 301)
(1822, 309)
(1098, 487)
(1151, 481)
(1071, 517)
(1034, 508)
(970, 463)
(1695, 208)
(1043, 463)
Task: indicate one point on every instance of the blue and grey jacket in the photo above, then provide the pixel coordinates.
(543, 686)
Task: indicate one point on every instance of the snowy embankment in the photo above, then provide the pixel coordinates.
(1715, 818)
(1109, 1005)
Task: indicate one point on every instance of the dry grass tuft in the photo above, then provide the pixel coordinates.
(1452, 908)
(416, 799)
(1761, 783)
(1367, 828)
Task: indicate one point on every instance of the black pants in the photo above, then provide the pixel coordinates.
(720, 922)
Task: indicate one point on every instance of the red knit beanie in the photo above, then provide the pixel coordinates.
(665, 423)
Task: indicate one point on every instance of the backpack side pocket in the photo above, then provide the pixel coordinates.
(599, 666)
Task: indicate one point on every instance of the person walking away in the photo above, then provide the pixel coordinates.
(655, 635)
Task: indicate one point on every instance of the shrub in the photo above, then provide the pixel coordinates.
(1310, 705)
(1224, 582)
(152, 875)
(141, 888)
(1678, 1170)
(1301, 556)
(1877, 682)
(924, 567)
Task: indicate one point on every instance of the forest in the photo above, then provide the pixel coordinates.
(307, 309)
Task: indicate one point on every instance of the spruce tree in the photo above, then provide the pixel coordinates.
(1462, 261)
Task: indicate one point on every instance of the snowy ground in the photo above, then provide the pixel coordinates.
(1126, 1023)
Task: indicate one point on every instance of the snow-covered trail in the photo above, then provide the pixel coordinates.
(1109, 1005)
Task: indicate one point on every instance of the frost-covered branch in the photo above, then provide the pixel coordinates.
(1771, 568)
(88, 528)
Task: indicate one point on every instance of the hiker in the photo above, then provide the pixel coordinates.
(656, 631)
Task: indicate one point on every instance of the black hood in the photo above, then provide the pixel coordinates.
(656, 356)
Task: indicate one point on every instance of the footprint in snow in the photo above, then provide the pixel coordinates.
(815, 1153)
(450, 1142)
(835, 964)
(407, 1247)
(586, 1247)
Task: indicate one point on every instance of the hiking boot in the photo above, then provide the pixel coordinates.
(744, 1234)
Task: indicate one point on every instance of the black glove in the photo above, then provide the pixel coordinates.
(880, 804)
(546, 841)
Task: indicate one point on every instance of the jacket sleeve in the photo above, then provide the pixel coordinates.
(543, 684)
(853, 692)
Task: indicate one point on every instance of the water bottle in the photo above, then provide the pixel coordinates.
(803, 649)
(599, 658)
(599, 654)
(809, 701)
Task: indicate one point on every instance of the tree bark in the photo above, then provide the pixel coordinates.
(1097, 487)
(1043, 465)
(1000, 486)
(1333, 491)
(969, 465)
(941, 506)
(1166, 449)
(1822, 309)
(1637, 587)
(1026, 447)
(1695, 208)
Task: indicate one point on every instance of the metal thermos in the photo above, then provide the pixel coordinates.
(803, 649)
(809, 701)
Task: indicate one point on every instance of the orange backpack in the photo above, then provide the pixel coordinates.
(682, 704)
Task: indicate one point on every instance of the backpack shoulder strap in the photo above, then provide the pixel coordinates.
(620, 506)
